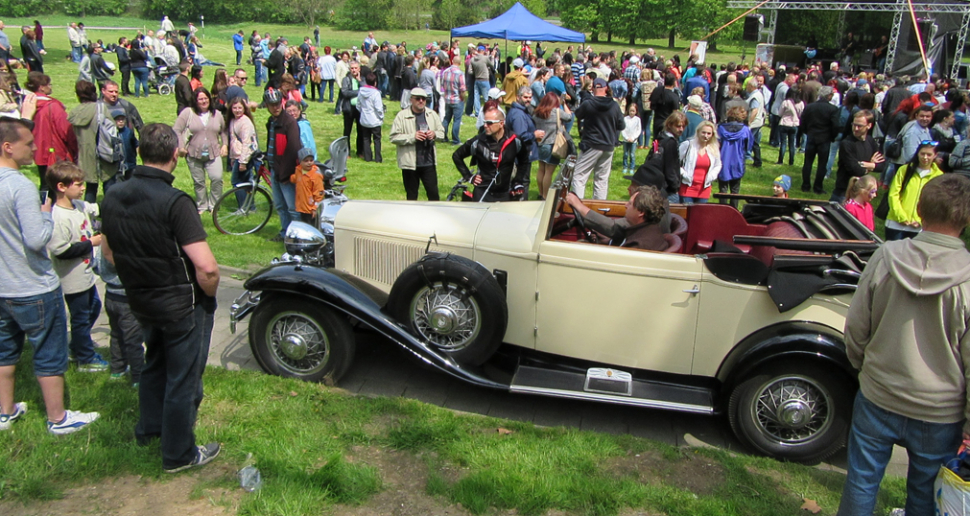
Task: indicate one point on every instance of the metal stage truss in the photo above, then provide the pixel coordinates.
(899, 8)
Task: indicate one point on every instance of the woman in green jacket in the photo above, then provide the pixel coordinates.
(903, 221)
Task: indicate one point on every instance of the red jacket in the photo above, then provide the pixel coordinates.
(53, 135)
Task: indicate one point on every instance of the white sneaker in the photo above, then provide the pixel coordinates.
(6, 420)
(898, 512)
(72, 422)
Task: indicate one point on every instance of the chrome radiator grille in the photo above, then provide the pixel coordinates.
(383, 261)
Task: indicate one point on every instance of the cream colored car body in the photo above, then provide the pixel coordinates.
(624, 307)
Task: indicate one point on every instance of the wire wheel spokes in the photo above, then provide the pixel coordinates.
(446, 315)
(298, 343)
(793, 409)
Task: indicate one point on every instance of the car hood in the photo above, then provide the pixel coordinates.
(509, 227)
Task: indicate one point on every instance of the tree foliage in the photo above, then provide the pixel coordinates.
(363, 15)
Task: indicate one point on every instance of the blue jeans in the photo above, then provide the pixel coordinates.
(629, 155)
(141, 78)
(833, 153)
(41, 319)
(481, 94)
(171, 384)
(755, 153)
(786, 140)
(284, 200)
(85, 307)
(871, 439)
(76, 54)
(239, 176)
(453, 113)
(327, 83)
(693, 200)
(889, 173)
(898, 234)
(259, 71)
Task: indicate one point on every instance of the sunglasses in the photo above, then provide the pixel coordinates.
(490, 122)
(422, 99)
(242, 78)
(929, 142)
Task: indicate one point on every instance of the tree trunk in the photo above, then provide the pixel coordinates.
(670, 38)
(594, 37)
(609, 37)
(633, 40)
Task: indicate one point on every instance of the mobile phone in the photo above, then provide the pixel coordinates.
(43, 197)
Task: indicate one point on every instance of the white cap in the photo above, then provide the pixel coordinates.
(495, 93)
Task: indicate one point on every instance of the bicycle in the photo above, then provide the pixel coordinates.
(460, 191)
(247, 207)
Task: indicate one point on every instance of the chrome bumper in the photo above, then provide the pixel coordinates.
(241, 307)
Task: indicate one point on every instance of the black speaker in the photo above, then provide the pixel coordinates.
(752, 27)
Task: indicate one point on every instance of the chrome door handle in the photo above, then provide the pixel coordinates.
(694, 290)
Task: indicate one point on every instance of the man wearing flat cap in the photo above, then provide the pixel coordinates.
(414, 132)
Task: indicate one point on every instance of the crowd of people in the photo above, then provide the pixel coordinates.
(693, 124)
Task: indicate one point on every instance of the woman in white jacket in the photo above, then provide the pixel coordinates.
(700, 163)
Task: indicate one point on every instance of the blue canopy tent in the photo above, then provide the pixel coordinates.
(518, 24)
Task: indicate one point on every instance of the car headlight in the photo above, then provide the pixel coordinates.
(302, 239)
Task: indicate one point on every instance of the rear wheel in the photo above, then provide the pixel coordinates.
(164, 89)
(242, 210)
(793, 412)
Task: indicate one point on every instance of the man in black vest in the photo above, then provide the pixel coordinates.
(158, 245)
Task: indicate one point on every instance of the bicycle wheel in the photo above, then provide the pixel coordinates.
(245, 214)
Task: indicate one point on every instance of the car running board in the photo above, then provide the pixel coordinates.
(611, 386)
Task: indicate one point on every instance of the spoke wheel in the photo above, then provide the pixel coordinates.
(791, 412)
(301, 338)
(452, 303)
(242, 210)
(446, 315)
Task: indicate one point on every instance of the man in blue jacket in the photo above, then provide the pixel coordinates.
(237, 44)
(519, 122)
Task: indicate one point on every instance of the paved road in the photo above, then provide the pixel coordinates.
(380, 368)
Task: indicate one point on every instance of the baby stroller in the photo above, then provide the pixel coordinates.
(161, 78)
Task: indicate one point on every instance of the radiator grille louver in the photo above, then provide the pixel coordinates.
(383, 261)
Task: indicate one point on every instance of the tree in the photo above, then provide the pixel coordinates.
(363, 15)
(309, 10)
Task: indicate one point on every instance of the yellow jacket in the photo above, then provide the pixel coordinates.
(902, 203)
(513, 81)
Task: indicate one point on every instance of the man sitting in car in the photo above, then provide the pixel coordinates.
(640, 225)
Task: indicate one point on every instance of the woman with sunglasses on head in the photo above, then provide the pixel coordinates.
(903, 221)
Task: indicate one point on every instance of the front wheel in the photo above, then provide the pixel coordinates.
(303, 339)
(792, 412)
(242, 210)
(164, 89)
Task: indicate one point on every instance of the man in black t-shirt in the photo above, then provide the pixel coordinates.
(158, 246)
(414, 132)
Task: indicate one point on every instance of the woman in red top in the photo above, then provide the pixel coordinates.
(700, 163)
(53, 134)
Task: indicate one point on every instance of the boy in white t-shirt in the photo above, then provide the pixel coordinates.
(72, 248)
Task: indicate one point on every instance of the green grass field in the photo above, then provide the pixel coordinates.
(365, 180)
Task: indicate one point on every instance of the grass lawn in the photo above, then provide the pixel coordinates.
(321, 451)
(365, 180)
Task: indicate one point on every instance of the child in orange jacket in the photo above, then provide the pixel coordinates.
(309, 186)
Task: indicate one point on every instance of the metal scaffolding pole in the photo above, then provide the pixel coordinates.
(961, 42)
(957, 7)
(772, 26)
(841, 27)
(894, 37)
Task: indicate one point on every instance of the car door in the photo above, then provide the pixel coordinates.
(624, 307)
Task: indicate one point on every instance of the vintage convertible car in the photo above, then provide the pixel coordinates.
(742, 314)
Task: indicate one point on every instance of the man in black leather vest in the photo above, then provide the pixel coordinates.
(158, 245)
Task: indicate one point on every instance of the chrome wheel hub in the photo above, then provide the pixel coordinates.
(792, 410)
(298, 344)
(446, 315)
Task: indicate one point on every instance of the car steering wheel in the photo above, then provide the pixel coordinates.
(581, 222)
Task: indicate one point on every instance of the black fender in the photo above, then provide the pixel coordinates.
(356, 298)
(799, 341)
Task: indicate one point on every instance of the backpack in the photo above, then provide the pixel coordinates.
(646, 89)
(110, 148)
(894, 145)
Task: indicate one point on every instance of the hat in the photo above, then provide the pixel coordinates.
(495, 93)
(695, 101)
(118, 112)
(783, 181)
(305, 153)
(634, 60)
(419, 92)
(518, 63)
(861, 82)
(481, 47)
(599, 83)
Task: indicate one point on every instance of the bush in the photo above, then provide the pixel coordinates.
(217, 11)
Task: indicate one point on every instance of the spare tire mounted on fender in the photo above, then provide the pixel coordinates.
(454, 304)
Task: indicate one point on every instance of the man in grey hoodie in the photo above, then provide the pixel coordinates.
(31, 302)
(907, 332)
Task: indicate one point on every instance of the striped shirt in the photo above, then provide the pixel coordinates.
(453, 84)
(579, 71)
